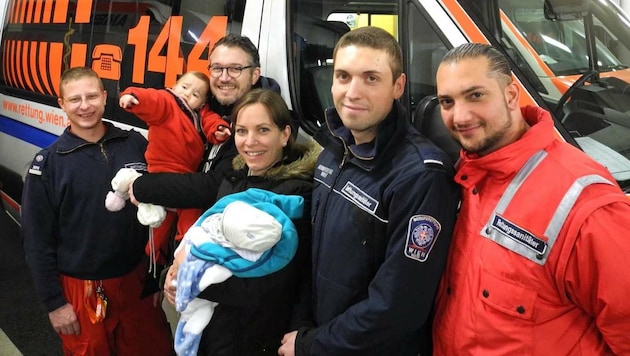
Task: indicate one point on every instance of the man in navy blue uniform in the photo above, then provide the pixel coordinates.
(86, 262)
(384, 206)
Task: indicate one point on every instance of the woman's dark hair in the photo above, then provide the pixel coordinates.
(276, 107)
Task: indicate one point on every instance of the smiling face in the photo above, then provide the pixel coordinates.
(480, 110)
(364, 89)
(83, 101)
(228, 90)
(191, 89)
(257, 138)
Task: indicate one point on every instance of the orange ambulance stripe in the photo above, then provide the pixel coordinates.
(33, 67)
(47, 15)
(43, 55)
(54, 63)
(18, 64)
(79, 55)
(22, 14)
(26, 54)
(84, 9)
(15, 59)
(471, 31)
(13, 11)
(29, 11)
(61, 11)
(10, 68)
(38, 11)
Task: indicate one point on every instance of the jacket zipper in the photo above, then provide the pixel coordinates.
(100, 145)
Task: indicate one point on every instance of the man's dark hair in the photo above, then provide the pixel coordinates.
(498, 65)
(375, 38)
(242, 42)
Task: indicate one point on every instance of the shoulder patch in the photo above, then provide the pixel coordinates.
(36, 166)
(422, 233)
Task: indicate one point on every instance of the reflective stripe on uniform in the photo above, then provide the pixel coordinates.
(520, 240)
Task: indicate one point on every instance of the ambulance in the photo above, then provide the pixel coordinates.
(570, 56)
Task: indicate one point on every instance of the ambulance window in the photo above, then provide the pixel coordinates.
(176, 39)
(426, 50)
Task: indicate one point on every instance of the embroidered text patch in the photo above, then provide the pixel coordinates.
(519, 234)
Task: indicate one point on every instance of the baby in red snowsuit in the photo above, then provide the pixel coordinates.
(178, 136)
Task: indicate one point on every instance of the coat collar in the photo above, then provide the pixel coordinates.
(69, 141)
(390, 132)
(505, 162)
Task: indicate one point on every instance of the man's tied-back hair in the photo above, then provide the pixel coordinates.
(498, 65)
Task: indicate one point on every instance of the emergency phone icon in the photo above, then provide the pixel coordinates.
(106, 60)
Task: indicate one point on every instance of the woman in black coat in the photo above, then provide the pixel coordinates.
(254, 313)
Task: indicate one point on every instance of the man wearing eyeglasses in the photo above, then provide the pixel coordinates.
(234, 70)
(87, 264)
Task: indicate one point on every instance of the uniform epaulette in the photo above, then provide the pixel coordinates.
(432, 155)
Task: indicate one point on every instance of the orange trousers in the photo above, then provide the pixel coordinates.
(132, 326)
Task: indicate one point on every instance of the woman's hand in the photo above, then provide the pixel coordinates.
(132, 198)
(170, 283)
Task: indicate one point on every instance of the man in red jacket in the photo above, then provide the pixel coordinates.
(539, 259)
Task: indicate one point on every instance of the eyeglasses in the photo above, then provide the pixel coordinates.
(233, 72)
(90, 98)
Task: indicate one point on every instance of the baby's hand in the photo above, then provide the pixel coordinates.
(222, 132)
(127, 101)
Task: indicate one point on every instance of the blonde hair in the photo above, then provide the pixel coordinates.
(199, 75)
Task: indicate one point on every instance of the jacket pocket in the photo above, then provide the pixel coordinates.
(507, 297)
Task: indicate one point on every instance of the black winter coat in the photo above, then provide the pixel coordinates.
(254, 313)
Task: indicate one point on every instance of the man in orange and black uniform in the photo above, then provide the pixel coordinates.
(87, 263)
(539, 259)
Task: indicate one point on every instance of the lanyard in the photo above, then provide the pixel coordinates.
(96, 313)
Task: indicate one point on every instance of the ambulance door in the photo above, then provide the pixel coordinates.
(268, 28)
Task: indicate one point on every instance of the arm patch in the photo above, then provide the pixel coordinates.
(422, 233)
(37, 165)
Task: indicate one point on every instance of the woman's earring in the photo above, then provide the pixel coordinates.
(284, 144)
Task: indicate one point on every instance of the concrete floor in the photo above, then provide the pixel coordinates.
(24, 323)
